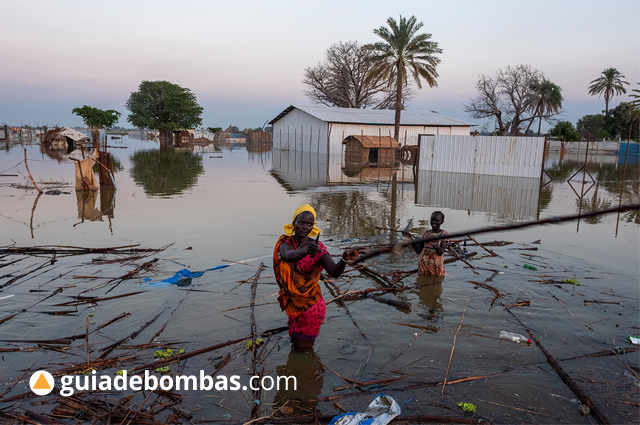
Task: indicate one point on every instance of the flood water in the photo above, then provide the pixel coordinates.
(213, 204)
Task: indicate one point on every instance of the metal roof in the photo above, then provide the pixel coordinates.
(374, 141)
(375, 116)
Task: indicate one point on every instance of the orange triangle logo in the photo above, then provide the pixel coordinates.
(41, 383)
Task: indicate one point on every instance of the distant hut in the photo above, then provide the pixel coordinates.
(64, 138)
(371, 149)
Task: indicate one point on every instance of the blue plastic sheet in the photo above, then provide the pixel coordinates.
(184, 273)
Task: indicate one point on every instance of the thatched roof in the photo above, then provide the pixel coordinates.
(374, 141)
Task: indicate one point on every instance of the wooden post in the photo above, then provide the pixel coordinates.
(30, 176)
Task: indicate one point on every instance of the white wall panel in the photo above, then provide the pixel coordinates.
(486, 155)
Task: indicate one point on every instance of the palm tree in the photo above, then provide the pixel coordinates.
(609, 85)
(404, 53)
(545, 100)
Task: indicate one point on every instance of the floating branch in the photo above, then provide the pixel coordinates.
(552, 220)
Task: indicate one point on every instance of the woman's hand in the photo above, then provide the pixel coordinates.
(351, 255)
(312, 248)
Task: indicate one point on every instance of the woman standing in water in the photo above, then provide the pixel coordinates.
(431, 254)
(298, 261)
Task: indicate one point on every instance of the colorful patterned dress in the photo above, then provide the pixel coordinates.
(300, 295)
(429, 262)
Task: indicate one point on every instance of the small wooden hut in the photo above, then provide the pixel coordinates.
(371, 149)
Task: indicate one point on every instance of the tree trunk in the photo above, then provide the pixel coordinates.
(396, 132)
(531, 122)
(95, 136)
(539, 125)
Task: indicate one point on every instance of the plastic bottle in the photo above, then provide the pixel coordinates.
(526, 266)
(514, 337)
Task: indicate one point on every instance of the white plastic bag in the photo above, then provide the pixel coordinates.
(380, 412)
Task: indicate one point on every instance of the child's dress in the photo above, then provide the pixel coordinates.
(429, 262)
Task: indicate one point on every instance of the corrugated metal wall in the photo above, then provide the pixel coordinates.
(300, 131)
(490, 155)
(511, 197)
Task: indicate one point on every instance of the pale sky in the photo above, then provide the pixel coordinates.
(245, 60)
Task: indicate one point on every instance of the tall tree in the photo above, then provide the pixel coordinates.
(609, 84)
(404, 53)
(545, 100)
(164, 106)
(96, 119)
(341, 80)
(508, 97)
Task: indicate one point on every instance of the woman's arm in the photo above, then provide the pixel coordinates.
(289, 255)
(336, 269)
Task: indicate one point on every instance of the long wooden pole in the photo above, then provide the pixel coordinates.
(551, 220)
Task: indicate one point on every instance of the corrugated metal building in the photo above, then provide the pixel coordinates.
(322, 129)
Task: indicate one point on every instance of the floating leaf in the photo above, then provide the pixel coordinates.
(467, 407)
(163, 369)
(91, 314)
(180, 351)
(120, 372)
(573, 281)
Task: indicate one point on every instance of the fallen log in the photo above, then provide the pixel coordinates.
(582, 396)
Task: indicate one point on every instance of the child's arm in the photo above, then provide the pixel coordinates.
(416, 247)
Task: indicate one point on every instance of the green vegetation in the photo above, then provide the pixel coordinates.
(564, 131)
(515, 97)
(594, 124)
(164, 106)
(214, 129)
(97, 118)
(545, 100)
(609, 84)
(342, 80)
(402, 54)
(165, 172)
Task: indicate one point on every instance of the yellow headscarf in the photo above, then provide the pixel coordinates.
(288, 228)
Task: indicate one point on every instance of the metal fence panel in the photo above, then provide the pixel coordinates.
(485, 155)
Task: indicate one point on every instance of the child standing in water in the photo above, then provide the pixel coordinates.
(431, 254)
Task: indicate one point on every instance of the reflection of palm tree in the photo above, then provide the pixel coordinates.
(404, 53)
(608, 85)
(594, 205)
(165, 172)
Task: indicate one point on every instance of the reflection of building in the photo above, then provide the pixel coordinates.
(512, 197)
(321, 129)
(304, 170)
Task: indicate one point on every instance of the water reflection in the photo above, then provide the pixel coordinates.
(309, 373)
(429, 293)
(87, 206)
(165, 172)
(513, 198)
(87, 199)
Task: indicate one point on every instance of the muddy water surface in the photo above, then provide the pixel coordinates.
(210, 209)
